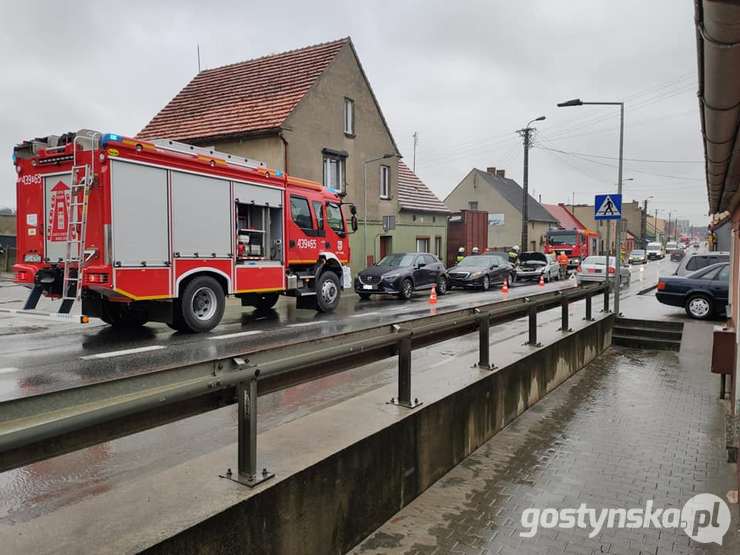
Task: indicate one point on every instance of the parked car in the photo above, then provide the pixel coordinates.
(696, 261)
(703, 293)
(401, 274)
(677, 254)
(593, 269)
(533, 264)
(638, 256)
(655, 251)
(481, 272)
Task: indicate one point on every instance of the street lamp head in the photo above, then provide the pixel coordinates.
(574, 102)
(541, 118)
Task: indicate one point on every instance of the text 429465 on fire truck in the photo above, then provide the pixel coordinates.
(162, 231)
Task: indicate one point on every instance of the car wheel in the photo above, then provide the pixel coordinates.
(364, 296)
(441, 285)
(486, 283)
(201, 305)
(699, 307)
(327, 291)
(406, 290)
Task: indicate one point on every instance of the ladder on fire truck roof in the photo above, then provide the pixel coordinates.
(183, 148)
(74, 259)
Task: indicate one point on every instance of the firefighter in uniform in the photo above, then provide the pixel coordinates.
(475, 251)
(563, 261)
(514, 255)
(460, 255)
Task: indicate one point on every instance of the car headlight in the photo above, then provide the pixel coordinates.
(476, 275)
(391, 276)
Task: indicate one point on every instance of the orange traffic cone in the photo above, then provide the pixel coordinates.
(433, 295)
(505, 286)
(542, 281)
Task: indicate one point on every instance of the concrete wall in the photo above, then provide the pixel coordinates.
(474, 188)
(330, 506)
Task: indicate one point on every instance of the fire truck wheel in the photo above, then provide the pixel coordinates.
(123, 315)
(201, 304)
(327, 291)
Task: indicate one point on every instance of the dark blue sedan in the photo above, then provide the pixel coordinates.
(703, 293)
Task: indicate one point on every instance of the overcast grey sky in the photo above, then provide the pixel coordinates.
(465, 75)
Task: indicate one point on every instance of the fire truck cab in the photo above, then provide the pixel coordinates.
(162, 231)
(576, 243)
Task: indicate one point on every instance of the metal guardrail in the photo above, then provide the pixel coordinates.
(39, 427)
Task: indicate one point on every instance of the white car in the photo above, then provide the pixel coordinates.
(593, 269)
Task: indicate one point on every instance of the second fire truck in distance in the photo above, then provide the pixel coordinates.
(162, 231)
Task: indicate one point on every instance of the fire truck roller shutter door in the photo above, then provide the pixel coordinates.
(201, 216)
(139, 208)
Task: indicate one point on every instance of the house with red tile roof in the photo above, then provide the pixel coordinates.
(312, 113)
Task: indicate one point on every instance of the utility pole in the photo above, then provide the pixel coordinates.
(416, 140)
(197, 46)
(643, 224)
(526, 135)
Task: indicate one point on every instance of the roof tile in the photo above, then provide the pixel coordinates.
(245, 97)
(414, 195)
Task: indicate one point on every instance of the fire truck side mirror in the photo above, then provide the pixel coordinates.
(353, 222)
(353, 209)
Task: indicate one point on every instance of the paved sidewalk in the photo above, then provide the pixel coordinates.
(632, 426)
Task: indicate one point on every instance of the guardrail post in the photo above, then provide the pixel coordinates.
(588, 318)
(564, 324)
(484, 345)
(404, 375)
(533, 327)
(606, 299)
(247, 433)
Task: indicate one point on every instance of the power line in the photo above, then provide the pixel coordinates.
(586, 155)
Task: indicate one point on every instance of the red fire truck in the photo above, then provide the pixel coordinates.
(577, 244)
(163, 231)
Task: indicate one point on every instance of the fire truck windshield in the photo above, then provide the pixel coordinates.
(562, 237)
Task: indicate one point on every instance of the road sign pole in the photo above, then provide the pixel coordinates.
(619, 221)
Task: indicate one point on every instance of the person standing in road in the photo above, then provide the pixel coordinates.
(460, 255)
(563, 261)
(514, 255)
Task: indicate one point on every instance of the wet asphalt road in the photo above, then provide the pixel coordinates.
(37, 356)
(56, 483)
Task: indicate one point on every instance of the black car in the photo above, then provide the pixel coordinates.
(481, 271)
(703, 293)
(401, 274)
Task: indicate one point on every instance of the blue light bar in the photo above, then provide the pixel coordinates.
(108, 137)
(278, 173)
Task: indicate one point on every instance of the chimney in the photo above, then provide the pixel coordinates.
(501, 173)
(492, 171)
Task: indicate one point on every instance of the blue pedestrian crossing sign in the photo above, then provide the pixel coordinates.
(608, 207)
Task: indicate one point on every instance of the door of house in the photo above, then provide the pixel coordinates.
(386, 245)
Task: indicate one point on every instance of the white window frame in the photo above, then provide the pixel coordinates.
(385, 182)
(349, 116)
(340, 163)
(425, 242)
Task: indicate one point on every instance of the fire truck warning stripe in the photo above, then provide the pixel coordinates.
(140, 298)
(124, 352)
(239, 334)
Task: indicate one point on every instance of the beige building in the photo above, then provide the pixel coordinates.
(501, 197)
(311, 113)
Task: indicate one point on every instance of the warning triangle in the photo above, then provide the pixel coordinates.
(608, 208)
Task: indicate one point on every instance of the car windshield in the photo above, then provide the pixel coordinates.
(637, 252)
(479, 261)
(397, 260)
(704, 272)
(654, 246)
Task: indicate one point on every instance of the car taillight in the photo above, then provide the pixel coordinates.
(97, 278)
(612, 270)
(661, 285)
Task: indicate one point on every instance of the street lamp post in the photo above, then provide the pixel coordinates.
(579, 102)
(644, 221)
(364, 200)
(526, 134)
